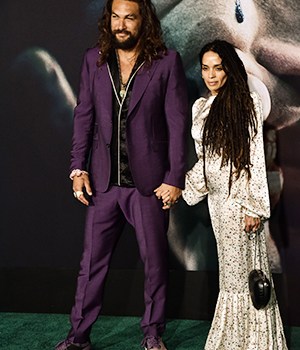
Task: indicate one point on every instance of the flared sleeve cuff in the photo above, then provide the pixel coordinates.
(255, 211)
(254, 199)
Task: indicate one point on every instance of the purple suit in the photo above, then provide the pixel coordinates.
(156, 129)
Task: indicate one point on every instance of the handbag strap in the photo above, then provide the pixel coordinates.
(257, 249)
(255, 236)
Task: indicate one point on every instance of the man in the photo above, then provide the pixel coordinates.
(130, 126)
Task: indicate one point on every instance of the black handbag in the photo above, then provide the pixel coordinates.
(259, 284)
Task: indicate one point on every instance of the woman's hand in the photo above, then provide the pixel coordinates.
(252, 224)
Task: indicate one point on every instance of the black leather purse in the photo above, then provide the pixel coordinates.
(259, 284)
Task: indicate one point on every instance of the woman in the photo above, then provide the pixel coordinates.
(227, 129)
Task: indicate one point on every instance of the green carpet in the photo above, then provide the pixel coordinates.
(43, 331)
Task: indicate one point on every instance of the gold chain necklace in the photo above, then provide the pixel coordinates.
(123, 85)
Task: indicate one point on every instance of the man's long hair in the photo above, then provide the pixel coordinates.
(151, 45)
(231, 122)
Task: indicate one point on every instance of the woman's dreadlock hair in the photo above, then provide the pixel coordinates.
(151, 44)
(231, 122)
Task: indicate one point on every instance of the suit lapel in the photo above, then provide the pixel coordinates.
(104, 95)
(141, 81)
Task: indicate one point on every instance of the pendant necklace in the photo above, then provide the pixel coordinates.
(122, 89)
(123, 86)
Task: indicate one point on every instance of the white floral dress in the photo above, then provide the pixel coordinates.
(236, 325)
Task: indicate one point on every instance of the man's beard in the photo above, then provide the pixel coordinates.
(127, 44)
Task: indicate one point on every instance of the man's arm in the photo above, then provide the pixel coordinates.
(82, 133)
(176, 109)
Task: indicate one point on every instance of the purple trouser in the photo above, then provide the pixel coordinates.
(106, 218)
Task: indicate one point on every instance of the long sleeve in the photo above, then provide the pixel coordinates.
(83, 119)
(195, 188)
(253, 195)
(176, 111)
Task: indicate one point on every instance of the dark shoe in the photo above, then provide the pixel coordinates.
(154, 343)
(68, 345)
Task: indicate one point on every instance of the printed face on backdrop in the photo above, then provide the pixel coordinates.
(126, 24)
(266, 35)
(213, 73)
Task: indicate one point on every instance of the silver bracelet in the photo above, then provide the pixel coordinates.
(77, 172)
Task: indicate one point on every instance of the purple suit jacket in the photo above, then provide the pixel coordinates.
(156, 124)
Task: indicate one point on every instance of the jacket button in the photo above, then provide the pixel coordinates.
(108, 145)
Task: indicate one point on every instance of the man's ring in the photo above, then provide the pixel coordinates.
(169, 204)
(77, 194)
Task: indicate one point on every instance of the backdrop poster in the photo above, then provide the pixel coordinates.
(42, 45)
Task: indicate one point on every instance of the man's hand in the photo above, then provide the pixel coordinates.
(79, 183)
(168, 194)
